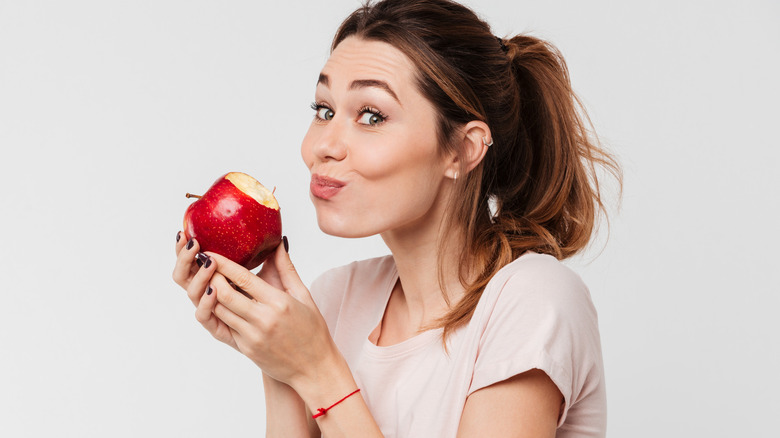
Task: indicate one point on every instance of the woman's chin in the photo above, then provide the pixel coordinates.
(346, 230)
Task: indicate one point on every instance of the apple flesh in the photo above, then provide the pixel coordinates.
(238, 218)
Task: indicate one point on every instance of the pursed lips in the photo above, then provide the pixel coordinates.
(324, 187)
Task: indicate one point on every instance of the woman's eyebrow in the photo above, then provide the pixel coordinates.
(324, 80)
(362, 83)
(374, 83)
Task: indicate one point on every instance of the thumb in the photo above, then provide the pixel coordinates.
(270, 274)
(288, 275)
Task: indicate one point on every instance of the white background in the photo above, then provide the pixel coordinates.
(111, 110)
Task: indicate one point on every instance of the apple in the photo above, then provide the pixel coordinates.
(238, 218)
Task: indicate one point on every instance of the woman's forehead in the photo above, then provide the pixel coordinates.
(357, 59)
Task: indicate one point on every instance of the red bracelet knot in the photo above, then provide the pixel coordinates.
(323, 411)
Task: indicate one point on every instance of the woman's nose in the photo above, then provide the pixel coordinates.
(330, 144)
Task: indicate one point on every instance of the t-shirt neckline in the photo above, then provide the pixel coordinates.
(406, 346)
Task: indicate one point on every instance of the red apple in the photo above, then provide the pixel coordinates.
(238, 218)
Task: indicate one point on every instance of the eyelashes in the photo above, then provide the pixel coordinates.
(316, 105)
(322, 112)
(375, 117)
(366, 115)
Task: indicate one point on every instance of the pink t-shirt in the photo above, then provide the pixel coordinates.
(534, 313)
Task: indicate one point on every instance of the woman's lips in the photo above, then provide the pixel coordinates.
(324, 187)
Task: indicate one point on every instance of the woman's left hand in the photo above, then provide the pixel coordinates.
(279, 328)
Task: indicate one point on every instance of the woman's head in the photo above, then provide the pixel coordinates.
(535, 188)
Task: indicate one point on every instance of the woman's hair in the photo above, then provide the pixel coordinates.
(536, 188)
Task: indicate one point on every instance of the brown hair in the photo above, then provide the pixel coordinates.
(540, 173)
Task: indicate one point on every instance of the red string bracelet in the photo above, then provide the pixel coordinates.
(323, 411)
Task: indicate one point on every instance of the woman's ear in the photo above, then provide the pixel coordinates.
(475, 141)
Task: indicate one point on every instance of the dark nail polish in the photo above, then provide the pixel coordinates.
(207, 263)
(209, 290)
(286, 244)
(201, 258)
(178, 236)
(190, 244)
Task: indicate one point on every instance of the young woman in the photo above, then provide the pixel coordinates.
(472, 327)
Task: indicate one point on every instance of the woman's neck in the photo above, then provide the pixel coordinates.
(418, 300)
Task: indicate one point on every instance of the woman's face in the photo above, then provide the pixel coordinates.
(372, 147)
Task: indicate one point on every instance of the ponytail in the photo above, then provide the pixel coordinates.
(541, 177)
(552, 193)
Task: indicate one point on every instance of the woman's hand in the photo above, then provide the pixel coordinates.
(194, 277)
(277, 325)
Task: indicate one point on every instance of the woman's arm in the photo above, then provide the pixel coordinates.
(349, 417)
(524, 406)
(285, 413)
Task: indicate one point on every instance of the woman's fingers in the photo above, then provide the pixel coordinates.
(289, 275)
(232, 307)
(194, 271)
(243, 279)
(270, 274)
(185, 266)
(180, 242)
(204, 314)
(199, 282)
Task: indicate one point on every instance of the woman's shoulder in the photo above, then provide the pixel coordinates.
(535, 272)
(539, 281)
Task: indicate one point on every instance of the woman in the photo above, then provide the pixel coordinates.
(472, 327)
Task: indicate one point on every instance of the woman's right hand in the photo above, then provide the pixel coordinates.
(194, 278)
(286, 412)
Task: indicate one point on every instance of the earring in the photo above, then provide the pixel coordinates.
(484, 140)
(455, 177)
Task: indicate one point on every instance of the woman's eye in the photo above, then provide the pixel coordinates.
(325, 113)
(370, 118)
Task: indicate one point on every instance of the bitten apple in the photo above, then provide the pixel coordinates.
(238, 218)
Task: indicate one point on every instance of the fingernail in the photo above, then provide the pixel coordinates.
(178, 236)
(207, 263)
(190, 244)
(201, 258)
(209, 290)
(286, 244)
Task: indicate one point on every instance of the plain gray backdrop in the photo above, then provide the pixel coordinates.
(111, 110)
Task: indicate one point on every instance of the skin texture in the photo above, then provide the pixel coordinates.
(398, 184)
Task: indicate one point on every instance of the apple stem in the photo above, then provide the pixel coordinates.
(190, 195)
(274, 190)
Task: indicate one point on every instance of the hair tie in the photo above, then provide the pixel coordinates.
(503, 46)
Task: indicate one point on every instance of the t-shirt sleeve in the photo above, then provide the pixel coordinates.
(538, 315)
